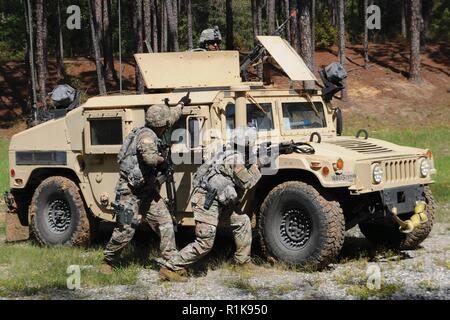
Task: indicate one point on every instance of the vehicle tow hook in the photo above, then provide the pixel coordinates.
(416, 219)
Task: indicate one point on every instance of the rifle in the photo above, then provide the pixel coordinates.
(259, 51)
(286, 147)
(165, 174)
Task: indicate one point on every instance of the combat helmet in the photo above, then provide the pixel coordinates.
(157, 116)
(207, 35)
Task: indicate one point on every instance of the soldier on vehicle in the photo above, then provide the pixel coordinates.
(137, 191)
(218, 186)
(210, 40)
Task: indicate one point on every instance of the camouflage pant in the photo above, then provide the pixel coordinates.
(148, 203)
(205, 230)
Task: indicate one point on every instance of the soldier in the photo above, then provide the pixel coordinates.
(210, 39)
(218, 185)
(137, 191)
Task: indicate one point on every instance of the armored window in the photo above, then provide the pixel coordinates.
(303, 115)
(106, 131)
(259, 116)
(194, 132)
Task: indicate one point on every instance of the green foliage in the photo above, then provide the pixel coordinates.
(326, 34)
(440, 21)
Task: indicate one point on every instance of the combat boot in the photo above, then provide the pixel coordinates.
(173, 275)
(106, 268)
(248, 266)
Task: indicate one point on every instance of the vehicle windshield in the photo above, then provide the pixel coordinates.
(303, 115)
(257, 118)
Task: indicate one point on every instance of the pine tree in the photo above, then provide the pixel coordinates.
(414, 67)
(41, 51)
(96, 46)
(229, 15)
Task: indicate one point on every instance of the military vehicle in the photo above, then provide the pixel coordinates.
(63, 172)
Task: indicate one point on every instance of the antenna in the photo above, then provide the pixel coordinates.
(120, 50)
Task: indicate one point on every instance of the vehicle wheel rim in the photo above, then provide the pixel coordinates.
(295, 228)
(59, 215)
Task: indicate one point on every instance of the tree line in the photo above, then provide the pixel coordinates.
(175, 25)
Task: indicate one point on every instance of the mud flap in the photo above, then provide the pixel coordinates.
(15, 231)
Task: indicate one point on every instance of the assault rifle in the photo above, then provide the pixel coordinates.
(259, 51)
(165, 174)
(267, 151)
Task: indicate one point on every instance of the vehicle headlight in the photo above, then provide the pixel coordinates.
(377, 173)
(425, 167)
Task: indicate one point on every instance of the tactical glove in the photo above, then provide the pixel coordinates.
(185, 100)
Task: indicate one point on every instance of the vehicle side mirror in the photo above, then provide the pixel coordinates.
(339, 121)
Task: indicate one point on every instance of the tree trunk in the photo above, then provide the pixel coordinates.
(164, 27)
(108, 58)
(98, 7)
(271, 16)
(260, 18)
(254, 8)
(414, 68)
(60, 49)
(366, 36)
(189, 24)
(334, 12)
(41, 51)
(96, 47)
(155, 25)
(138, 41)
(147, 22)
(287, 12)
(403, 15)
(230, 37)
(304, 25)
(342, 39)
(427, 7)
(28, 59)
(313, 32)
(172, 19)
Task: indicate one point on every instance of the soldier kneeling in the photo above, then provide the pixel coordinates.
(218, 185)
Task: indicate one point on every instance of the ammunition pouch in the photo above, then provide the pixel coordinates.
(125, 215)
(209, 199)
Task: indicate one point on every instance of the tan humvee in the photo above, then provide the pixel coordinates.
(63, 172)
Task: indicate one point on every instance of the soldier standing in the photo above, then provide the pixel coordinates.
(137, 191)
(218, 185)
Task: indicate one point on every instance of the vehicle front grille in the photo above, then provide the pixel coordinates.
(361, 146)
(400, 170)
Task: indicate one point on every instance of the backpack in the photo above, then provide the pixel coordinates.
(129, 164)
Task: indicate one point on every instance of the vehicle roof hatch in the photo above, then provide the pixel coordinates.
(287, 58)
(170, 70)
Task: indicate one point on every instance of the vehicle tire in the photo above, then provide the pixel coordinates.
(386, 232)
(58, 215)
(299, 226)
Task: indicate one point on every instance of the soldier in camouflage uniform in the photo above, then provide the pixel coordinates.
(137, 191)
(210, 40)
(218, 185)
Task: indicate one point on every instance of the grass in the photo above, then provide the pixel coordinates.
(428, 285)
(386, 291)
(29, 270)
(434, 138)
